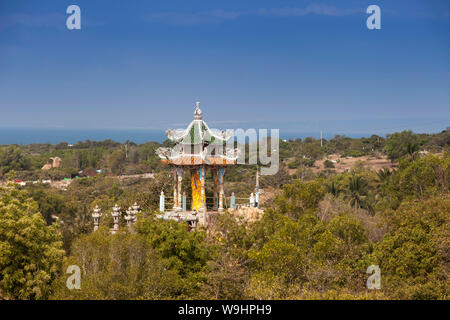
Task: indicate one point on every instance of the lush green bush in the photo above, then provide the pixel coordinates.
(413, 256)
(30, 251)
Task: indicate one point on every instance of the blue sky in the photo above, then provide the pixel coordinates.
(301, 66)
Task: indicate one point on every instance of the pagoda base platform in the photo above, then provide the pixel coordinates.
(193, 218)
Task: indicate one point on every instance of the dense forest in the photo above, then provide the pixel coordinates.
(320, 231)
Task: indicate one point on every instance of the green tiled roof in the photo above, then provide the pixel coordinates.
(197, 132)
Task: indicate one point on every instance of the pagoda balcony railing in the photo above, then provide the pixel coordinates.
(238, 202)
(168, 153)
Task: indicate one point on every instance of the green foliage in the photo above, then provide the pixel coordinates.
(161, 260)
(400, 144)
(112, 157)
(50, 203)
(315, 240)
(12, 158)
(186, 252)
(422, 177)
(413, 256)
(347, 229)
(384, 175)
(120, 266)
(300, 197)
(349, 147)
(293, 165)
(357, 192)
(30, 251)
(333, 188)
(305, 253)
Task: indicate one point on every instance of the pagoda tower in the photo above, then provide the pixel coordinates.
(198, 149)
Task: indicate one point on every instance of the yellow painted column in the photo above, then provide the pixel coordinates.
(196, 191)
(202, 181)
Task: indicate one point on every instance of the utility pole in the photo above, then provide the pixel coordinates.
(257, 177)
(257, 188)
(321, 145)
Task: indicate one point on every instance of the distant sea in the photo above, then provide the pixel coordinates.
(72, 136)
(139, 136)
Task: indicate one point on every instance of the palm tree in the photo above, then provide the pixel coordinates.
(384, 175)
(357, 193)
(333, 189)
(411, 149)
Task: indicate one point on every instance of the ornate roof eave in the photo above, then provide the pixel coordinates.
(175, 157)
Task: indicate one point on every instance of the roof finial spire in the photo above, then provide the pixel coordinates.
(198, 111)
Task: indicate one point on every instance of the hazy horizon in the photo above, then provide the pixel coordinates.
(25, 136)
